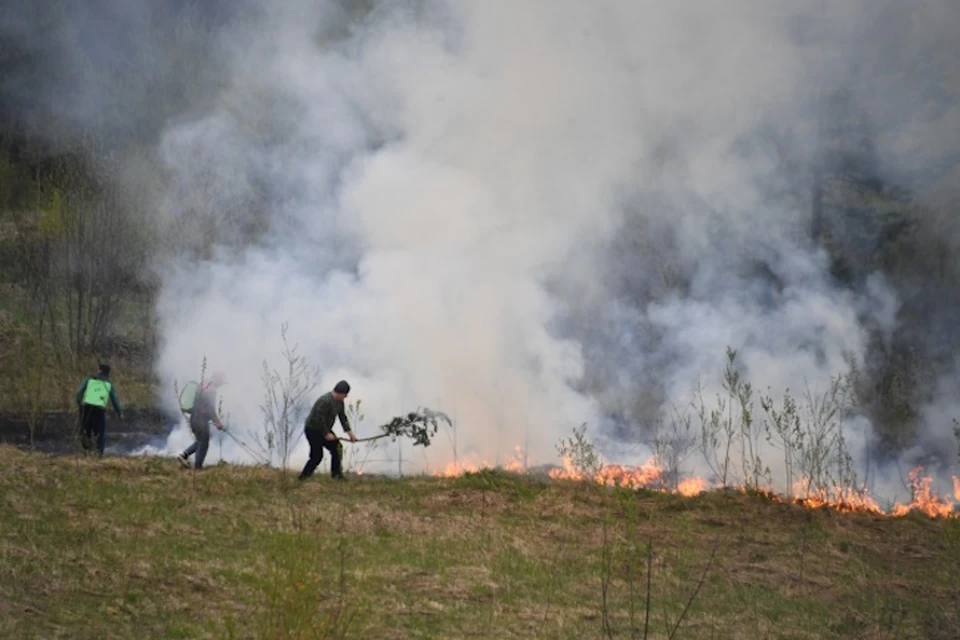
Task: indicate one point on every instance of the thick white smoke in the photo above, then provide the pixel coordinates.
(445, 180)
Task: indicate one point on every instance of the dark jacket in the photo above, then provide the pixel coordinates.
(324, 413)
(204, 407)
(114, 400)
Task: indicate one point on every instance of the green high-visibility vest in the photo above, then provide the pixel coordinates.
(97, 393)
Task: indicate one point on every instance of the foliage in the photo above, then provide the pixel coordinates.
(808, 434)
(811, 436)
(728, 432)
(581, 453)
(420, 426)
(675, 441)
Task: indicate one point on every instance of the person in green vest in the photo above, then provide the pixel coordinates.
(92, 398)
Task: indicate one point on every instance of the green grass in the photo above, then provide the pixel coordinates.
(136, 547)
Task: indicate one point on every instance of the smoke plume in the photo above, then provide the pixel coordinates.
(529, 215)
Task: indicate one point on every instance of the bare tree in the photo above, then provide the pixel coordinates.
(285, 403)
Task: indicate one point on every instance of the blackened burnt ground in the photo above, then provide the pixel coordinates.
(56, 431)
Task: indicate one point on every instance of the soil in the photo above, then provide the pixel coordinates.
(56, 432)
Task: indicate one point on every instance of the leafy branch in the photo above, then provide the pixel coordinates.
(420, 426)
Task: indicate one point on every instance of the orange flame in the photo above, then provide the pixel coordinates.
(692, 486)
(651, 475)
(924, 499)
(460, 467)
(648, 475)
(516, 463)
(840, 498)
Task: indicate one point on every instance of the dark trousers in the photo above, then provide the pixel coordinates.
(93, 428)
(200, 446)
(317, 444)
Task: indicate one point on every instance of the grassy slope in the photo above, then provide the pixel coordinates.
(123, 548)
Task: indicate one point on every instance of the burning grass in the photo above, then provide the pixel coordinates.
(652, 477)
(136, 547)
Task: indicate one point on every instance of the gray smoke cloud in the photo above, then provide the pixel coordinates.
(533, 215)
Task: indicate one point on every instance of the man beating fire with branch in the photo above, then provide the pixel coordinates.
(318, 429)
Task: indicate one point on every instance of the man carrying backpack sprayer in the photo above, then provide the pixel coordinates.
(203, 412)
(319, 431)
(92, 398)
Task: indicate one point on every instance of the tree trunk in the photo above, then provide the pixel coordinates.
(816, 206)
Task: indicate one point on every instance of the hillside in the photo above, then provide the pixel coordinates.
(137, 547)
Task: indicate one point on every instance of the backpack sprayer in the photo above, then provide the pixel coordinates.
(187, 401)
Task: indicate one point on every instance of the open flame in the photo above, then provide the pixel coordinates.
(925, 500)
(651, 475)
(516, 463)
(839, 498)
(460, 467)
